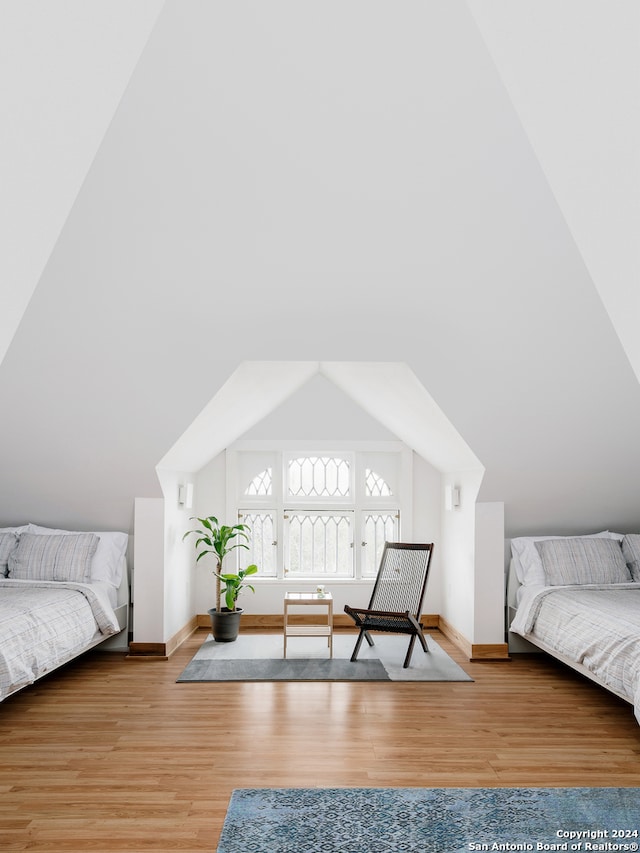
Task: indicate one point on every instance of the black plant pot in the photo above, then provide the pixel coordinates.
(225, 624)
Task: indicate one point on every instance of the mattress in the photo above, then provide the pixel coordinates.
(594, 626)
(44, 624)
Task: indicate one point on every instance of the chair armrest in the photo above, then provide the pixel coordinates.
(365, 612)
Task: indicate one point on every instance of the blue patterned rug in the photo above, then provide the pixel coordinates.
(430, 820)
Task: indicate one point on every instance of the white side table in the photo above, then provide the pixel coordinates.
(322, 629)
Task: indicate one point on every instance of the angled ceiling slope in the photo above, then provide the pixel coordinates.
(389, 392)
(65, 67)
(580, 108)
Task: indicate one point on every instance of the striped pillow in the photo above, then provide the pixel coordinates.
(583, 561)
(53, 558)
(8, 542)
(631, 553)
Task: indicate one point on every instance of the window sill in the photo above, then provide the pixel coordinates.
(310, 581)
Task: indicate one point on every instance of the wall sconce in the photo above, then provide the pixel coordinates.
(452, 497)
(185, 495)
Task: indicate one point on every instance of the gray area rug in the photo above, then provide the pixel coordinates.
(259, 657)
(429, 820)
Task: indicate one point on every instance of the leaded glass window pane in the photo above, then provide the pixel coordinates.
(378, 529)
(375, 486)
(262, 543)
(262, 484)
(319, 544)
(319, 476)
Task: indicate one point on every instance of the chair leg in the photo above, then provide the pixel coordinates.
(369, 638)
(358, 644)
(423, 643)
(407, 659)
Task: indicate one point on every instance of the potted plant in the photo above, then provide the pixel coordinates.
(219, 540)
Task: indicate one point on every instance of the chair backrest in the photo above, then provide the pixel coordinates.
(402, 578)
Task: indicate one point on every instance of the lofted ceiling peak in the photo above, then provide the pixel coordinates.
(389, 392)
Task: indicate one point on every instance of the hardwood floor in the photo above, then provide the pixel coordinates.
(110, 754)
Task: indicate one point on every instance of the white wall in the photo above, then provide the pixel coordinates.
(489, 578)
(427, 527)
(317, 412)
(336, 182)
(211, 492)
(148, 588)
(466, 583)
(178, 570)
(210, 498)
(458, 547)
(315, 415)
(266, 166)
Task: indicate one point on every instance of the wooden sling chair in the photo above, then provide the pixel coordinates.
(398, 593)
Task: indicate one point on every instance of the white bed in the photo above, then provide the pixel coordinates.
(578, 599)
(65, 593)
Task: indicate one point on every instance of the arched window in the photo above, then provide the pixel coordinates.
(318, 477)
(261, 484)
(375, 486)
(319, 515)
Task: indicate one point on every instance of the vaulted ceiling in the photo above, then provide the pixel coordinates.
(194, 185)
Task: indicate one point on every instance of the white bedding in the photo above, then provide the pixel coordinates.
(596, 626)
(43, 624)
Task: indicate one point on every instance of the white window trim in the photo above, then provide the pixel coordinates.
(401, 501)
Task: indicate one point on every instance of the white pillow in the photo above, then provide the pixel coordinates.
(107, 560)
(53, 558)
(583, 560)
(631, 551)
(4, 565)
(8, 544)
(527, 561)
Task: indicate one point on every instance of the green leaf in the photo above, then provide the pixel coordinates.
(230, 598)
